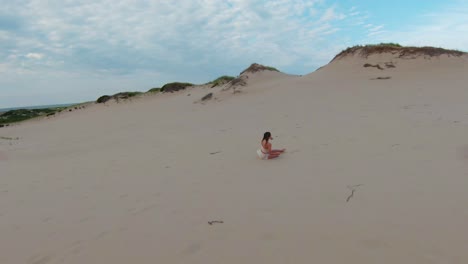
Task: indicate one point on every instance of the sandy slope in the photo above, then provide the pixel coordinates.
(137, 182)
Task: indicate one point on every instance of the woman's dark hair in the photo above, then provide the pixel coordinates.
(266, 136)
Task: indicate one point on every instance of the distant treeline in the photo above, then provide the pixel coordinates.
(18, 115)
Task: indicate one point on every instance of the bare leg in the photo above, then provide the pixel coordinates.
(275, 151)
(273, 155)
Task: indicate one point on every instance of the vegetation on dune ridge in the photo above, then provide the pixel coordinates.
(154, 90)
(220, 81)
(174, 86)
(18, 115)
(117, 96)
(177, 86)
(128, 94)
(255, 67)
(395, 48)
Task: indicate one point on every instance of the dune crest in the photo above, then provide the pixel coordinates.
(397, 51)
(385, 59)
(253, 76)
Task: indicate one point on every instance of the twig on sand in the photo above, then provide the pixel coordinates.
(9, 138)
(212, 153)
(353, 189)
(215, 222)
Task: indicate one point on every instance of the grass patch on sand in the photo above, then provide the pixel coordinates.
(220, 81)
(255, 67)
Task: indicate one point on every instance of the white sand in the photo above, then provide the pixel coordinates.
(135, 182)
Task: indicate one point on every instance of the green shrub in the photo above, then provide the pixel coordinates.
(117, 96)
(154, 90)
(103, 99)
(221, 80)
(175, 86)
(269, 68)
(125, 95)
(132, 94)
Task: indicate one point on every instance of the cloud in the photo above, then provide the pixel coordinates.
(36, 56)
(330, 14)
(129, 35)
(375, 28)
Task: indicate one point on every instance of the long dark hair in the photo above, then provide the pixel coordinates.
(266, 136)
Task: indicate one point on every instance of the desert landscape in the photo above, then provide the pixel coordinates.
(376, 169)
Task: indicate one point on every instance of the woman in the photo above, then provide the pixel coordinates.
(265, 152)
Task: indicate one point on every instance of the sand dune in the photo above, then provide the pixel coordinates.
(376, 171)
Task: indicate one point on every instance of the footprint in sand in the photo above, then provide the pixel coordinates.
(192, 249)
(40, 259)
(83, 220)
(144, 209)
(102, 234)
(77, 250)
(74, 248)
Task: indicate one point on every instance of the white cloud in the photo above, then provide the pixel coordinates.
(129, 35)
(330, 14)
(36, 56)
(375, 28)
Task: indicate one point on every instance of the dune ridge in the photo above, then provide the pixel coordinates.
(397, 50)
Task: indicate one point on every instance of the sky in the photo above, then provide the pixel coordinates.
(64, 51)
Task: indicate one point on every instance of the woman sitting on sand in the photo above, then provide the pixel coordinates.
(265, 151)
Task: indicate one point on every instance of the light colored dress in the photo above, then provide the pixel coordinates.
(262, 153)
